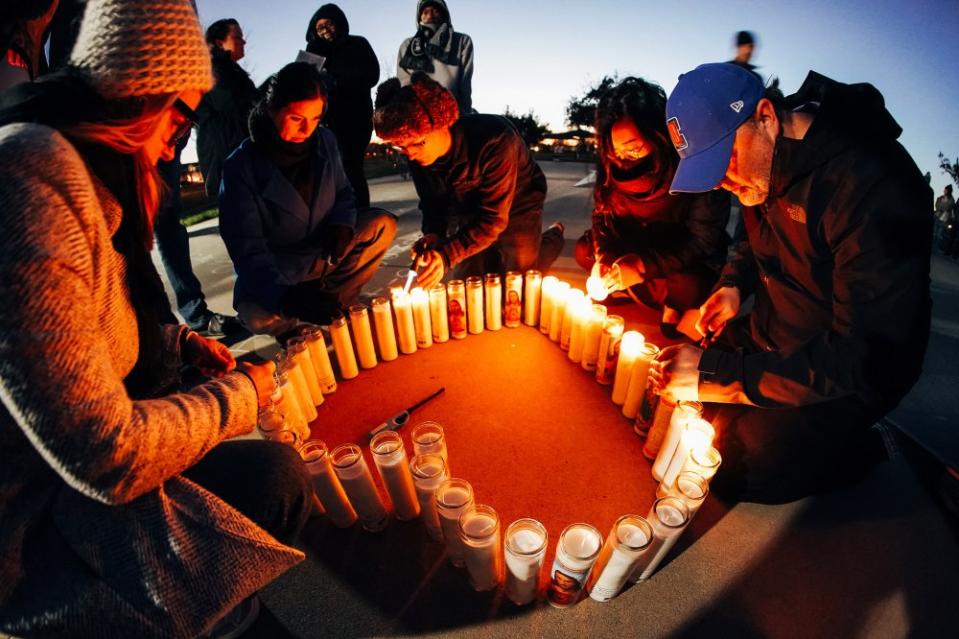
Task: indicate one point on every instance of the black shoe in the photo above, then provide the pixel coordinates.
(216, 325)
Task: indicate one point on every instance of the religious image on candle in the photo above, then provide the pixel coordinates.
(513, 308)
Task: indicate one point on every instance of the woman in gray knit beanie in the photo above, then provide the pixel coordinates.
(123, 513)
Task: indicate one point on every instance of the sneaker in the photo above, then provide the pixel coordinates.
(216, 325)
(237, 621)
(556, 227)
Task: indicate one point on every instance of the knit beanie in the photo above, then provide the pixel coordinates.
(132, 48)
(411, 111)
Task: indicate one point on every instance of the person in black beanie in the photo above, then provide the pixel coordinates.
(351, 62)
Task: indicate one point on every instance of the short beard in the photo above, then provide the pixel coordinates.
(759, 166)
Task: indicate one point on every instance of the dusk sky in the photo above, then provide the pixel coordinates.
(536, 55)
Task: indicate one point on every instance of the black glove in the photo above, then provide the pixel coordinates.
(336, 241)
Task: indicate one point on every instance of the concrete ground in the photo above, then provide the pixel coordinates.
(874, 559)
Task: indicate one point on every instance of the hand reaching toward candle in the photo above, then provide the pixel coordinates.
(722, 306)
(676, 372)
(263, 380)
(625, 272)
(212, 358)
(431, 268)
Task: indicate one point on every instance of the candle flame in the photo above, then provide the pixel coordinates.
(596, 289)
(409, 281)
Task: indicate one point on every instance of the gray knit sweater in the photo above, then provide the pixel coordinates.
(99, 535)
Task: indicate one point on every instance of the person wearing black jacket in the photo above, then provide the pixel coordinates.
(666, 250)
(481, 192)
(351, 62)
(837, 255)
(223, 112)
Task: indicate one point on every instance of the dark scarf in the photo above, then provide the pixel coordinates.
(43, 103)
(296, 161)
(431, 42)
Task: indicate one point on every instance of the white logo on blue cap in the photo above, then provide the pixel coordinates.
(737, 106)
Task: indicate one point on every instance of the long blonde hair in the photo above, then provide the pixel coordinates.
(128, 137)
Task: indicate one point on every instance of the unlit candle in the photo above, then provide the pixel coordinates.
(385, 337)
(421, 317)
(363, 335)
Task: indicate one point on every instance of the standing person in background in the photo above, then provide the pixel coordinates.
(223, 112)
(125, 513)
(355, 70)
(440, 52)
(23, 29)
(945, 215)
(745, 48)
(63, 31)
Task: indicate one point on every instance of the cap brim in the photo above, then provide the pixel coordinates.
(705, 170)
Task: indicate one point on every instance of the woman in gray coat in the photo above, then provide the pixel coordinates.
(121, 512)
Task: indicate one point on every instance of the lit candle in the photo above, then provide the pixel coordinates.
(702, 461)
(665, 407)
(474, 304)
(269, 421)
(531, 297)
(684, 412)
(593, 335)
(574, 299)
(494, 302)
(456, 291)
(697, 435)
(298, 387)
(576, 552)
(637, 379)
(357, 481)
(288, 404)
(629, 349)
(421, 318)
(389, 456)
(668, 517)
(438, 317)
(343, 348)
(360, 320)
(453, 498)
(385, 337)
(300, 352)
(582, 311)
(326, 486)
(596, 289)
(557, 310)
(692, 489)
(629, 538)
(429, 472)
(547, 292)
(320, 356)
(612, 333)
(480, 533)
(404, 320)
(525, 551)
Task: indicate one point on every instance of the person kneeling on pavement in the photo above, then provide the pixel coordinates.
(481, 192)
(839, 229)
(301, 249)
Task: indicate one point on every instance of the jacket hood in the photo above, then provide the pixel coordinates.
(330, 12)
(845, 115)
(441, 4)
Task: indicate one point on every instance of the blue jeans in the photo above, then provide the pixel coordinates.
(174, 245)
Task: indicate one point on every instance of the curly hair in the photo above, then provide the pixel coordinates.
(413, 110)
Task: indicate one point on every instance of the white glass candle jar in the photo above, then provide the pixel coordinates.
(574, 299)
(474, 304)
(480, 533)
(320, 357)
(429, 439)
(525, 550)
(668, 518)
(630, 347)
(326, 486)
(637, 379)
(453, 498)
(582, 310)
(665, 407)
(300, 353)
(685, 411)
(697, 434)
(456, 300)
(692, 489)
(405, 329)
(288, 404)
(630, 537)
(389, 457)
(297, 388)
(576, 552)
(363, 335)
(493, 301)
(357, 481)
(557, 310)
(532, 285)
(513, 299)
(438, 314)
(343, 348)
(608, 355)
(429, 473)
(385, 337)
(546, 294)
(592, 336)
(420, 301)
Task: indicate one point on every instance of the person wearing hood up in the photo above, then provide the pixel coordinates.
(440, 52)
(351, 62)
(23, 30)
(838, 242)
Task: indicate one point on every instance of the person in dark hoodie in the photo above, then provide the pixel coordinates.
(224, 111)
(837, 254)
(23, 30)
(481, 192)
(301, 249)
(666, 250)
(440, 52)
(351, 62)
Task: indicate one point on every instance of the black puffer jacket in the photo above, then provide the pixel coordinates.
(838, 258)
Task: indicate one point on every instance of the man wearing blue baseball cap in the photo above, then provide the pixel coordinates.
(837, 259)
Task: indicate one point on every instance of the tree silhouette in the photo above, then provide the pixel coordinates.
(950, 168)
(581, 111)
(529, 126)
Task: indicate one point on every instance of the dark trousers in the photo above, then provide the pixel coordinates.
(353, 142)
(777, 455)
(521, 247)
(328, 289)
(681, 290)
(173, 243)
(265, 481)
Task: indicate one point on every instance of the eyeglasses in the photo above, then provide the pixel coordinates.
(183, 127)
(412, 145)
(632, 154)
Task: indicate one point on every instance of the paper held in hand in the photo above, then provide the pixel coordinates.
(316, 60)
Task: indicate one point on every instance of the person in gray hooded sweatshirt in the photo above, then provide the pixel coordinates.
(443, 54)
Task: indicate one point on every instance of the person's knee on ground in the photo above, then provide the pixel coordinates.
(261, 321)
